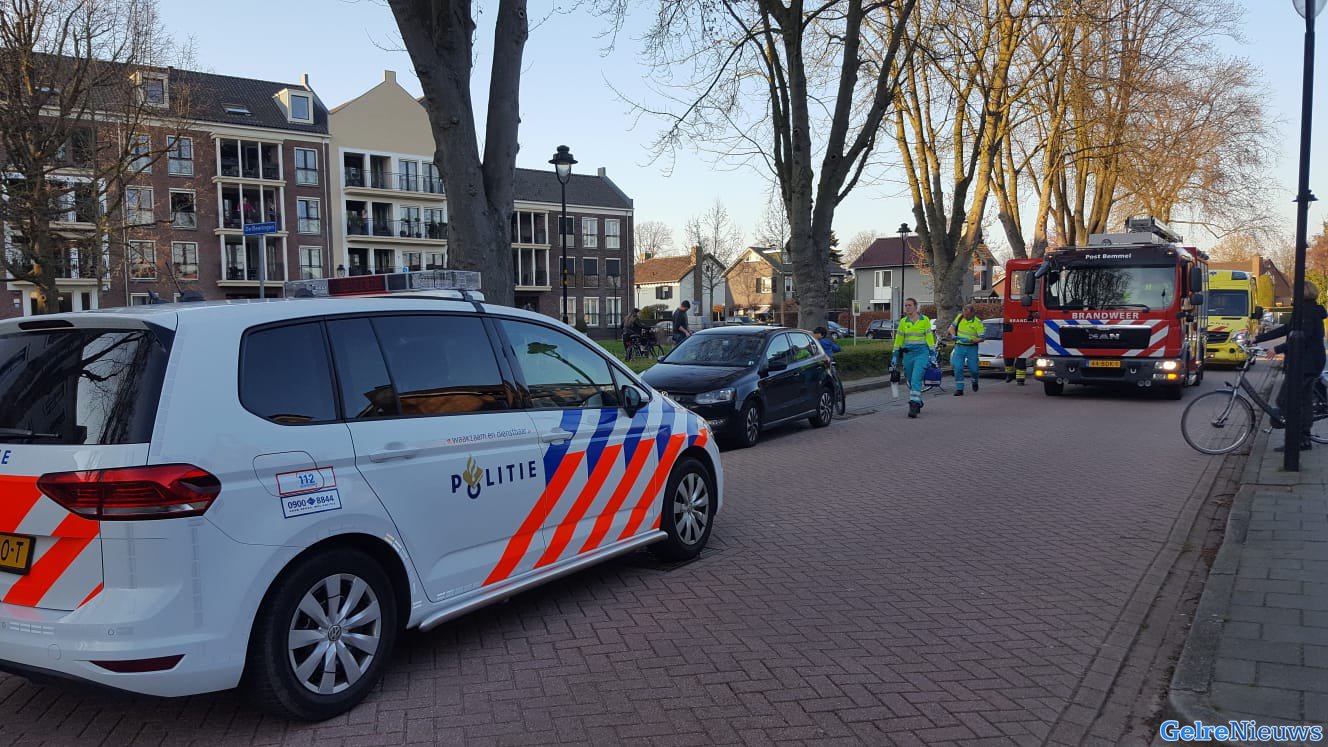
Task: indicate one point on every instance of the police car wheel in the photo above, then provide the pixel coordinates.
(825, 409)
(688, 511)
(321, 639)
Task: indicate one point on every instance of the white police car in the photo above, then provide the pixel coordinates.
(193, 496)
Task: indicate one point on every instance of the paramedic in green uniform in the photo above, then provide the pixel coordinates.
(916, 345)
(967, 330)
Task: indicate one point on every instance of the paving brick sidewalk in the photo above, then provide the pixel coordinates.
(1258, 649)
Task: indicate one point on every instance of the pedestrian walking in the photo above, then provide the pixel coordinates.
(968, 331)
(829, 346)
(915, 345)
(1312, 362)
(681, 331)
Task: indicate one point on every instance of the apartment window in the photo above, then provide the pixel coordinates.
(311, 262)
(613, 312)
(529, 227)
(882, 279)
(410, 223)
(663, 292)
(153, 89)
(306, 213)
(589, 232)
(569, 310)
(435, 223)
(409, 176)
(764, 285)
(142, 260)
(591, 306)
(140, 154)
(433, 181)
(613, 272)
(249, 159)
(180, 155)
(569, 271)
(306, 166)
(139, 299)
(435, 260)
(301, 107)
(183, 214)
(530, 268)
(788, 283)
(590, 272)
(612, 235)
(568, 224)
(184, 260)
(138, 206)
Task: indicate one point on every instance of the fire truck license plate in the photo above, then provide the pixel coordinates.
(1104, 364)
(15, 553)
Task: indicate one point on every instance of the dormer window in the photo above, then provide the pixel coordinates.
(237, 109)
(301, 107)
(152, 87)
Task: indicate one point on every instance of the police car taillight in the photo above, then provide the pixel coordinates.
(462, 281)
(162, 491)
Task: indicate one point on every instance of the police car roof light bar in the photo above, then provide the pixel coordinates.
(462, 281)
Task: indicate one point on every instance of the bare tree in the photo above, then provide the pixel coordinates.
(440, 36)
(653, 239)
(799, 91)
(716, 243)
(857, 244)
(772, 229)
(79, 97)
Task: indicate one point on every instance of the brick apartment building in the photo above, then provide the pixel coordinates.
(253, 151)
(390, 212)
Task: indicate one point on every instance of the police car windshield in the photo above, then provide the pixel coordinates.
(1228, 303)
(1108, 287)
(718, 350)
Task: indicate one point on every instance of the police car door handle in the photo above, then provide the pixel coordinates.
(393, 450)
(555, 436)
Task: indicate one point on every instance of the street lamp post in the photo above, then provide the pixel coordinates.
(1295, 413)
(562, 166)
(903, 262)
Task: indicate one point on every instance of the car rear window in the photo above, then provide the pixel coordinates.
(81, 386)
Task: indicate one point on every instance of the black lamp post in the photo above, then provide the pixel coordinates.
(903, 261)
(562, 166)
(1295, 413)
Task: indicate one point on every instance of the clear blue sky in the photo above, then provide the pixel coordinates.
(344, 45)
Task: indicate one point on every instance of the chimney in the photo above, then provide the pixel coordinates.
(389, 76)
(649, 254)
(603, 172)
(304, 81)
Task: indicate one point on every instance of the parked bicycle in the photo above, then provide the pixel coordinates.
(841, 401)
(642, 345)
(1222, 421)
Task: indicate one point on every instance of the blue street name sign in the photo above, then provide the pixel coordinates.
(258, 229)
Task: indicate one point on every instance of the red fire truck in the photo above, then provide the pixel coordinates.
(1125, 310)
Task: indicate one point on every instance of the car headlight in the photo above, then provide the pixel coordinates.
(1170, 365)
(716, 397)
(1042, 363)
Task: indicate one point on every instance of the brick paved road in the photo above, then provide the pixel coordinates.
(879, 581)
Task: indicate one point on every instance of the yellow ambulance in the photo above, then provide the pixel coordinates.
(1232, 315)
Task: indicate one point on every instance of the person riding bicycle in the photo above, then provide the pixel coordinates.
(916, 345)
(1312, 359)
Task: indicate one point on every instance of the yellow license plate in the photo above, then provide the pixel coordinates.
(15, 553)
(1104, 364)
(984, 364)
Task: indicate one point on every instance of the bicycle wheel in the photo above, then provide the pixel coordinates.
(1319, 428)
(839, 395)
(1217, 422)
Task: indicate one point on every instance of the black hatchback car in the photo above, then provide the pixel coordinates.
(746, 379)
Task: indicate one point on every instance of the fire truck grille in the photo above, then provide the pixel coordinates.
(1089, 337)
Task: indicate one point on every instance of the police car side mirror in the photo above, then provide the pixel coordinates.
(632, 399)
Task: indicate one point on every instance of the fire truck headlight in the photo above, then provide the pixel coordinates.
(1042, 363)
(1170, 365)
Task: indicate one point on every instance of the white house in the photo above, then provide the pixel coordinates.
(667, 281)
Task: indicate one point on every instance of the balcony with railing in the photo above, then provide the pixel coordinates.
(358, 225)
(393, 180)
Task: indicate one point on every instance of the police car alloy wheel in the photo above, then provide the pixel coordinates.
(322, 637)
(688, 509)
